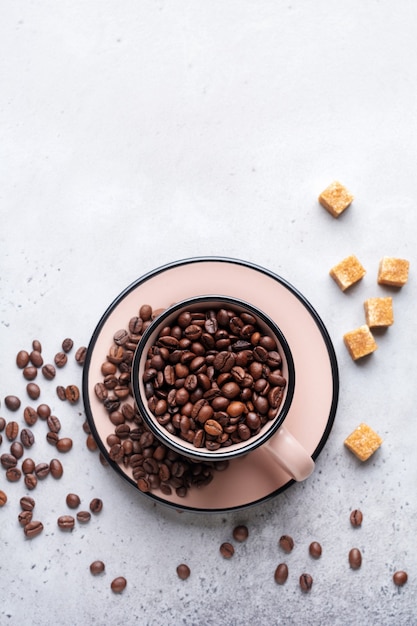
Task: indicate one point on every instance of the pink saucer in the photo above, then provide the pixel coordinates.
(249, 479)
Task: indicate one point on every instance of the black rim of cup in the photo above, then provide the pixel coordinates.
(174, 442)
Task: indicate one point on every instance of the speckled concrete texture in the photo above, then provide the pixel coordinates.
(134, 134)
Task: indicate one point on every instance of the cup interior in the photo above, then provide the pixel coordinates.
(204, 304)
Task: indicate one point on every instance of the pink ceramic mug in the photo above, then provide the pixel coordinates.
(272, 436)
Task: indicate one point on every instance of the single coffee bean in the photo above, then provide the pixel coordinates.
(54, 424)
(66, 522)
(48, 371)
(286, 543)
(355, 558)
(3, 497)
(118, 584)
(8, 460)
(315, 550)
(28, 466)
(400, 578)
(97, 567)
(30, 372)
(227, 550)
(25, 517)
(31, 481)
(43, 411)
(42, 470)
(27, 437)
(13, 474)
(83, 516)
(33, 391)
(80, 355)
(36, 358)
(12, 403)
(36, 345)
(64, 444)
(72, 393)
(183, 571)
(67, 344)
(12, 430)
(91, 443)
(281, 573)
(96, 505)
(27, 503)
(52, 438)
(60, 392)
(60, 359)
(56, 469)
(240, 533)
(22, 359)
(356, 517)
(30, 416)
(73, 500)
(2, 424)
(33, 529)
(306, 582)
(17, 449)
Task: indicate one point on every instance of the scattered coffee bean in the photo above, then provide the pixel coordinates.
(355, 558)
(240, 533)
(36, 358)
(42, 470)
(66, 522)
(183, 571)
(25, 517)
(67, 344)
(12, 430)
(33, 391)
(27, 437)
(36, 345)
(48, 371)
(97, 567)
(118, 584)
(3, 497)
(31, 481)
(28, 466)
(281, 574)
(96, 505)
(80, 355)
(227, 550)
(315, 550)
(27, 503)
(30, 416)
(400, 578)
(83, 516)
(13, 474)
(17, 449)
(2, 424)
(72, 393)
(60, 359)
(60, 392)
(12, 403)
(54, 424)
(306, 582)
(30, 372)
(64, 444)
(73, 501)
(43, 411)
(356, 518)
(56, 469)
(22, 359)
(286, 543)
(8, 460)
(33, 529)
(91, 443)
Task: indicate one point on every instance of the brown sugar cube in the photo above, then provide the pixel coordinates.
(347, 272)
(360, 342)
(393, 271)
(335, 198)
(363, 442)
(379, 312)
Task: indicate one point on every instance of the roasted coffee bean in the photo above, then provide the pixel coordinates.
(281, 573)
(27, 503)
(355, 558)
(3, 497)
(42, 470)
(356, 518)
(30, 372)
(64, 444)
(118, 584)
(54, 424)
(73, 500)
(12, 430)
(36, 358)
(306, 582)
(96, 505)
(91, 443)
(240, 533)
(33, 391)
(13, 474)
(31, 481)
(72, 393)
(400, 578)
(56, 469)
(17, 449)
(60, 359)
(183, 571)
(60, 392)
(213, 428)
(67, 344)
(227, 550)
(97, 567)
(2, 424)
(44, 411)
(66, 522)
(52, 438)
(25, 517)
(315, 550)
(83, 516)
(30, 416)
(36, 345)
(8, 460)
(48, 371)
(28, 466)
(286, 543)
(27, 437)
(80, 355)
(22, 359)
(33, 529)
(12, 403)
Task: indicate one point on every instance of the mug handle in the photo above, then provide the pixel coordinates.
(287, 452)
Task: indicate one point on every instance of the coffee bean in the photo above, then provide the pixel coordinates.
(48, 371)
(30, 416)
(31, 481)
(30, 372)
(27, 503)
(3, 497)
(67, 344)
(355, 558)
(2, 423)
(72, 393)
(12, 430)
(80, 355)
(315, 550)
(42, 470)
(60, 392)
(183, 571)
(13, 474)
(281, 573)
(8, 460)
(66, 522)
(56, 469)
(22, 359)
(96, 505)
(12, 403)
(33, 529)
(52, 438)
(33, 391)
(356, 518)
(64, 444)
(306, 582)
(60, 359)
(227, 550)
(44, 411)
(118, 584)
(400, 578)
(36, 358)
(83, 516)
(17, 449)
(91, 443)
(27, 437)
(28, 466)
(240, 533)
(286, 543)
(97, 567)
(25, 517)
(73, 500)
(36, 345)
(54, 424)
